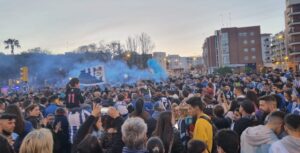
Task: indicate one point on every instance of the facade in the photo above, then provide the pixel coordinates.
(233, 47)
(292, 32)
(266, 50)
(175, 62)
(161, 57)
(209, 54)
(278, 50)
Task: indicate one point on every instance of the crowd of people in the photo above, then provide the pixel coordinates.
(247, 113)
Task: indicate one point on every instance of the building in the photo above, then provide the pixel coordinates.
(278, 50)
(266, 50)
(292, 32)
(233, 47)
(177, 63)
(174, 62)
(209, 54)
(161, 57)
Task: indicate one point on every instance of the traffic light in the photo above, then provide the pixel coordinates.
(24, 73)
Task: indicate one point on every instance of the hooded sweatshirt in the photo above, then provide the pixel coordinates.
(257, 139)
(288, 144)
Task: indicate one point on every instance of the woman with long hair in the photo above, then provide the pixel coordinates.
(33, 115)
(38, 141)
(22, 127)
(167, 133)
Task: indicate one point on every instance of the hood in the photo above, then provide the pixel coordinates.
(291, 144)
(258, 135)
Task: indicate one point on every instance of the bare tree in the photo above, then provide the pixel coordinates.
(145, 43)
(131, 44)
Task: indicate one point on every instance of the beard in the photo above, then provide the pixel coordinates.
(6, 133)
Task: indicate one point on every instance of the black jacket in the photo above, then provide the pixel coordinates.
(73, 98)
(117, 143)
(5, 147)
(243, 123)
(177, 146)
(221, 122)
(62, 138)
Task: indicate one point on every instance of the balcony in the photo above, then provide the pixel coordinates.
(294, 11)
(293, 32)
(293, 22)
(293, 53)
(294, 43)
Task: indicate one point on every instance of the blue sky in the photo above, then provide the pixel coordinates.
(176, 26)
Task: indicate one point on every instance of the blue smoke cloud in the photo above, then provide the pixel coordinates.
(118, 72)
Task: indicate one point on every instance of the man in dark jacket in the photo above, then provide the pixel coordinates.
(247, 119)
(7, 126)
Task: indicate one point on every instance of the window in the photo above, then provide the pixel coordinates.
(252, 41)
(243, 34)
(253, 49)
(254, 57)
(246, 50)
(251, 33)
(246, 58)
(245, 42)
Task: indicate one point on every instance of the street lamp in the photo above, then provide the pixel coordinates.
(128, 55)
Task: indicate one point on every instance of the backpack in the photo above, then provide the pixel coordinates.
(215, 130)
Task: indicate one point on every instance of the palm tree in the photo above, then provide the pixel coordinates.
(12, 43)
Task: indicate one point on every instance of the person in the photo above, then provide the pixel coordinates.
(228, 93)
(232, 107)
(93, 125)
(167, 133)
(43, 104)
(290, 143)
(238, 92)
(228, 141)
(183, 124)
(90, 144)
(258, 139)
(203, 128)
(38, 141)
(158, 108)
(121, 105)
(247, 119)
(2, 105)
(140, 112)
(22, 128)
(33, 115)
(85, 129)
(196, 146)
(51, 108)
(155, 145)
(134, 135)
(267, 105)
(73, 97)
(7, 126)
(219, 119)
(62, 142)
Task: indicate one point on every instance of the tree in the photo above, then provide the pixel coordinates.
(131, 44)
(145, 43)
(146, 46)
(224, 70)
(12, 43)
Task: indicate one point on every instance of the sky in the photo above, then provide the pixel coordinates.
(175, 26)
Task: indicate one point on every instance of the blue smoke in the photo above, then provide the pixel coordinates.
(118, 72)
